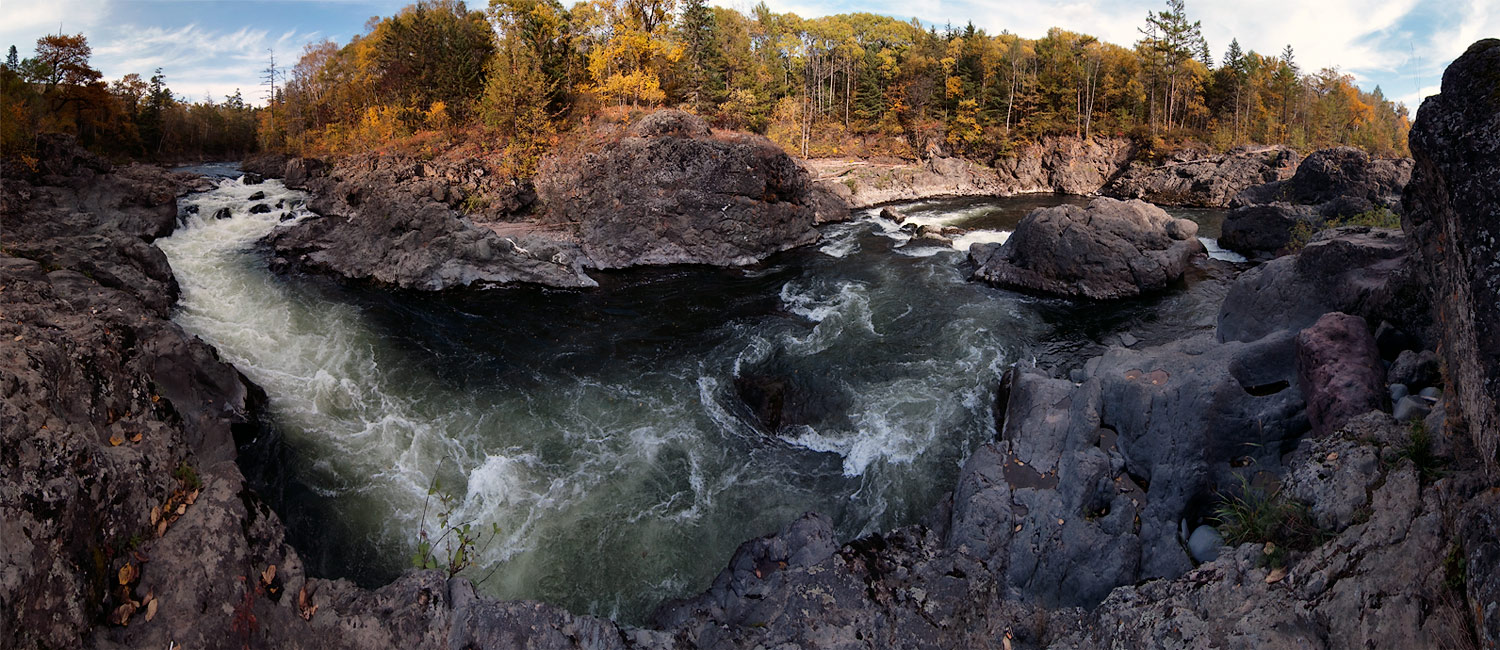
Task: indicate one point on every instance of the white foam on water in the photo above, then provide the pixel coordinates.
(965, 241)
(1219, 253)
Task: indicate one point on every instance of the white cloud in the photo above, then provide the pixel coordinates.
(200, 62)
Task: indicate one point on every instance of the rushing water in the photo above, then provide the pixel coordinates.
(600, 430)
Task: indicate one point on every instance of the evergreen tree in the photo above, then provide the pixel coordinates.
(701, 58)
(12, 60)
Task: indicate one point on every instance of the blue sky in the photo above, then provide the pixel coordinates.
(214, 46)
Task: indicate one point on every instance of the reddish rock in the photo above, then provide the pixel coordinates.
(1338, 366)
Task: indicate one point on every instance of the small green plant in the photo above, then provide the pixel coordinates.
(187, 476)
(1418, 449)
(852, 184)
(475, 203)
(452, 546)
(1258, 516)
(1455, 568)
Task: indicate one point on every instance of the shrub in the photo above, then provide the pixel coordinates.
(1258, 516)
(1378, 218)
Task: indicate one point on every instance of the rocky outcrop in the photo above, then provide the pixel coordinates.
(1195, 177)
(1323, 598)
(1112, 249)
(375, 226)
(668, 191)
(1453, 215)
(1368, 272)
(1338, 367)
(1329, 184)
(1055, 164)
(671, 192)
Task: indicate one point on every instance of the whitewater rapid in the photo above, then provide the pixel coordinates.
(601, 432)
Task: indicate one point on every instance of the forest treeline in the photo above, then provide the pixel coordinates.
(520, 75)
(58, 90)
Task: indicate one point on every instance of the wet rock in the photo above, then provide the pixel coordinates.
(671, 194)
(892, 214)
(1338, 367)
(1398, 391)
(258, 196)
(1450, 213)
(1112, 249)
(252, 178)
(1199, 178)
(260, 208)
(223, 213)
(1415, 369)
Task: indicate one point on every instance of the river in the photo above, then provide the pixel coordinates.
(600, 432)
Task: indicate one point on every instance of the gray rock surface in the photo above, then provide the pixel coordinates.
(1112, 249)
(1331, 183)
(1417, 370)
(1366, 272)
(1196, 177)
(671, 193)
(1053, 164)
(1453, 215)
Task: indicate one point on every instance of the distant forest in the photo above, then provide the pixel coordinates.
(521, 76)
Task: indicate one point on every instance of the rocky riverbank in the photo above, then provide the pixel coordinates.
(1243, 486)
(1104, 166)
(666, 191)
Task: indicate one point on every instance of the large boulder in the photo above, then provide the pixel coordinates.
(1262, 231)
(1329, 185)
(1453, 214)
(1330, 174)
(1367, 272)
(670, 192)
(1339, 369)
(1112, 249)
(1198, 178)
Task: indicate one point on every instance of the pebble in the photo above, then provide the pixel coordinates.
(1409, 408)
(1432, 392)
(1399, 391)
(1205, 543)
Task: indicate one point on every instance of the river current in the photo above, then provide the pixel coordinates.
(601, 431)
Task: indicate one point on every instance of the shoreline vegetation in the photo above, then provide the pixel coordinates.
(521, 78)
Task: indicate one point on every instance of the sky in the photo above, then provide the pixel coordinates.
(210, 48)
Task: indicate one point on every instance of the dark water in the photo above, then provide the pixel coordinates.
(601, 431)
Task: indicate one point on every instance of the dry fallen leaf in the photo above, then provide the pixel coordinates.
(1269, 549)
(1333, 455)
(155, 514)
(1275, 575)
(1018, 528)
(136, 437)
(161, 528)
(191, 498)
(182, 509)
(151, 609)
(115, 440)
(304, 606)
(121, 615)
(268, 575)
(127, 574)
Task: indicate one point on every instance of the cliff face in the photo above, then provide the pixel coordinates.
(1055, 164)
(1453, 212)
